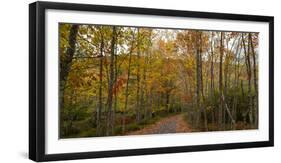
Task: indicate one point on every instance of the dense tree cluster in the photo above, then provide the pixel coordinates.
(116, 79)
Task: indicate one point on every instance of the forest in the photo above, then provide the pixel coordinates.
(118, 80)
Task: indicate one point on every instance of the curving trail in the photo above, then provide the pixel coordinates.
(173, 124)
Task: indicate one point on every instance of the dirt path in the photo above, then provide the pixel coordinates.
(173, 124)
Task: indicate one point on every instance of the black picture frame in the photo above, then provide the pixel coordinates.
(37, 80)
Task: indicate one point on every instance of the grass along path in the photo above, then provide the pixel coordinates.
(172, 124)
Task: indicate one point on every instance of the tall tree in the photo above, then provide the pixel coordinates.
(220, 112)
(202, 108)
(127, 82)
(212, 91)
(99, 110)
(111, 80)
(198, 78)
(138, 111)
(249, 73)
(65, 61)
(255, 80)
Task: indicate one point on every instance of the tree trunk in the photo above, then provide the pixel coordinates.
(226, 64)
(65, 65)
(143, 90)
(138, 114)
(256, 108)
(99, 110)
(212, 91)
(198, 81)
(65, 62)
(115, 94)
(111, 80)
(220, 82)
(127, 85)
(249, 73)
(201, 83)
(236, 80)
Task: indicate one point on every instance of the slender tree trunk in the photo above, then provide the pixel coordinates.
(143, 90)
(256, 108)
(115, 94)
(105, 63)
(212, 91)
(220, 82)
(99, 110)
(151, 100)
(138, 114)
(249, 72)
(225, 89)
(111, 80)
(198, 81)
(236, 81)
(127, 85)
(201, 83)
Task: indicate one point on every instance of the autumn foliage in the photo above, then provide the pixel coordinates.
(118, 80)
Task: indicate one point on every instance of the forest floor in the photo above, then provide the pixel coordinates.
(172, 124)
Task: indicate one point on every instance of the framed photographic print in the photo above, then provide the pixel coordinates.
(111, 81)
